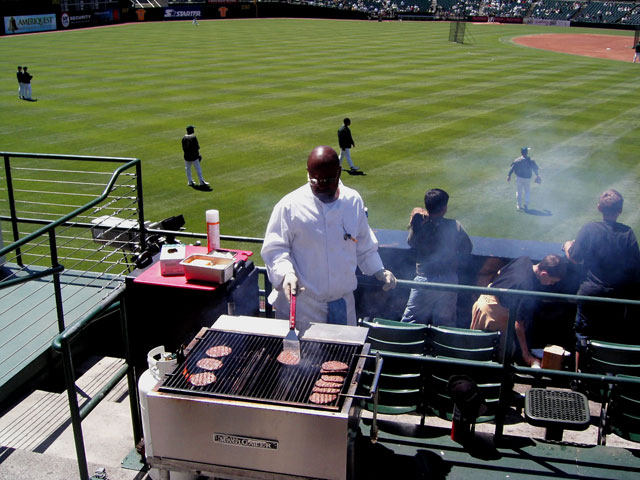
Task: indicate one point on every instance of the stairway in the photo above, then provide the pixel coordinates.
(36, 437)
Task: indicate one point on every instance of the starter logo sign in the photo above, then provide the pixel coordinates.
(182, 13)
(245, 441)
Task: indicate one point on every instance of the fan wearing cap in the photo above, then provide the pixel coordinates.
(315, 239)
(524, 168)
(192, 157)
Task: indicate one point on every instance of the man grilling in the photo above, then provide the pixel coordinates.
(316, 237)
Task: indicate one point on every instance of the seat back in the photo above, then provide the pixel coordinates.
(400, 384)
(620, 411)
(397, 393)
(624, 412)
(391, 336)
(606, 358)
(612, 358)
(466, 344)
(462, 343)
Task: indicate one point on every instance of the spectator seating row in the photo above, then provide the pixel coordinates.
(407, 386)
(410, 386)
(556, 9)
(632, 17)
(507, 8)
(575, 10)
(603, 12)
(620, 404)
(384, 6)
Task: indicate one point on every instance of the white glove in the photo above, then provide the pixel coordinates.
(290, 285)
(388, 278)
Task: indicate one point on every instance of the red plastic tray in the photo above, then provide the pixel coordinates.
(153, 276)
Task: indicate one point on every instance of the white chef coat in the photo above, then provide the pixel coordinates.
(307, 237)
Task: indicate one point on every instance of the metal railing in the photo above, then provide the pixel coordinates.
(62, 344)
(508, 366)
(507, 369)
(47, 201)
(74, 221)
(129, 231)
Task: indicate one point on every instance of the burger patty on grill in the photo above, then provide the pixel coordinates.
(333, 378)
(288, 357)
(322, 398)
(209, 363)
(201, 379)
(317, 389)
(324, 384)
(334, 366)
(219, 351)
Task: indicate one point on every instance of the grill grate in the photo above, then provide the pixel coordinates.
(251, 371)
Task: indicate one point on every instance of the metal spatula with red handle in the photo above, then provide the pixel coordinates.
(291, 343)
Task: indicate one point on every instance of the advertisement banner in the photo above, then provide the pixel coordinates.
(67, 20)
(508, 19)
(106, 16)
(548, 23)
(29, 23)
(182, 13)
(496, 19)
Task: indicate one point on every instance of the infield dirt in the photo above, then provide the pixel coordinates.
(611, 47)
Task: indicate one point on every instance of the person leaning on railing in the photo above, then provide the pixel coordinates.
(491, 313)
(437, 243)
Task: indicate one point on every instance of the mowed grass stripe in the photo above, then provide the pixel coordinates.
(262, 93)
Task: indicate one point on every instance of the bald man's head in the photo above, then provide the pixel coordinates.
(324, 170)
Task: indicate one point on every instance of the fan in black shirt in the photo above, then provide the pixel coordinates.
(609, 253)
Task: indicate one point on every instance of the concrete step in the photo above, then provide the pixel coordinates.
(24, 465)
(37, 437)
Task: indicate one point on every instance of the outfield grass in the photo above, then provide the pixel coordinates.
(262, 93)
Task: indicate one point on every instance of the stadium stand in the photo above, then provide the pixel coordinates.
(496, 8)
(388, 7)
(592, 12)
(446, 5)
(603, 12)
(458, 7)
(556, 9)
(506, 8)
(632, 17)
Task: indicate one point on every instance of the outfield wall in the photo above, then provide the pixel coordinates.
(223, 10)
(27, 20)
(30, 17)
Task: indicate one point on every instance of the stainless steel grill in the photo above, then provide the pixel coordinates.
(256, 421)
(252, 372)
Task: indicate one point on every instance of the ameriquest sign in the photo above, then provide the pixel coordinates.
(29, 23)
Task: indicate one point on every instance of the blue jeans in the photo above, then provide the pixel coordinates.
(337, 313)
(436, 307)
